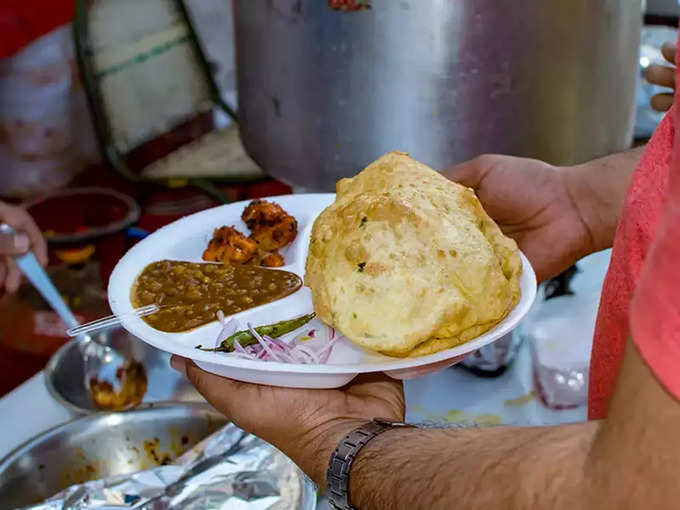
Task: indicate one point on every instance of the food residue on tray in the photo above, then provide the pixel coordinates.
(190, 294)
(151, 448)
(133, 387)
(272, 229)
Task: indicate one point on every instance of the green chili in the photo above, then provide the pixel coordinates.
(245, 337)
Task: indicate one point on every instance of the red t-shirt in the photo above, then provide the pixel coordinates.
(641, 293)
(637, 228)
(655, 309)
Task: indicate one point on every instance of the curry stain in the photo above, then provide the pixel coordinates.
(460, 416)
(151, 447)
(456, 416)
(487, 419)
(520, 401)
(86, 471)
(424, 413)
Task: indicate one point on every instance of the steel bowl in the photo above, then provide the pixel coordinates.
(131, 216)
(100, 445)
(107, 444)
(65, 381)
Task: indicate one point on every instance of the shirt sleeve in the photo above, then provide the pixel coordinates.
(655, 308)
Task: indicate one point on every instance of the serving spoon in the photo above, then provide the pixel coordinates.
(105, 368)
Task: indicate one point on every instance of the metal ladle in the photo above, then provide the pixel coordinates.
(103, 365)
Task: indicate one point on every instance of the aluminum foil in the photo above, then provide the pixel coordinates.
(230, 470)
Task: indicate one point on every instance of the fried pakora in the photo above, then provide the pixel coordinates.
(261, 212)
(230, 246)
(274, 259)
(272, 227)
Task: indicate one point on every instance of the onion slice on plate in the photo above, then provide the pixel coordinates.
(310, 346)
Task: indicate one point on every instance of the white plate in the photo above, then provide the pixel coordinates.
(186, 239)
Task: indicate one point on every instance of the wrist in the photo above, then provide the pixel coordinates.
(598, 190)
(314, 449)
(584, 208)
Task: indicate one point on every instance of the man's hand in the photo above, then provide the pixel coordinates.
(663, 76)
(306, 425)
(28, 238)
(531, 203)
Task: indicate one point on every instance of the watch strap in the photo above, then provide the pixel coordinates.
(343, 458)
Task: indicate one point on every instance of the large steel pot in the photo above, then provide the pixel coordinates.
(323, 92)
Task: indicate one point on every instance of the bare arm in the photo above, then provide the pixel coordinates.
(627, 461)
(509, 468)
(598, 190)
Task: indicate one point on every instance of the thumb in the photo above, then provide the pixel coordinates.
(470, 173)
(220, 391)
(199, 378)
(14, 244)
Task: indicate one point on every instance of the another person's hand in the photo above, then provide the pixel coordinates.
(664, 76)
(29, 238)
(530, 202)
(306, 425)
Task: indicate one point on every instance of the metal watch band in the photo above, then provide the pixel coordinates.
(343, 458)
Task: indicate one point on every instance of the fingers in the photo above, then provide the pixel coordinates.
(365, 383)
(663, 76)
(3, 274)
(669, 50)
(19, 219)
(13, 276)
(14, 244)
(38, 243)
(662, 102)
(471, 173)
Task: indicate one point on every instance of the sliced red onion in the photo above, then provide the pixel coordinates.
(263, 343)
(313, 355)
(326, 351)
(279, 343)
(228, 328)
(315, 350)
(239, 348)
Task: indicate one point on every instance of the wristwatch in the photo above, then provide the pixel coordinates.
(344, 455)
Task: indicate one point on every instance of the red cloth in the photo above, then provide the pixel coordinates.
(23, 21)
(640, 220)
(642, 265)
(655, 310)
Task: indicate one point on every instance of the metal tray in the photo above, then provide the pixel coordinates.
(100, 445)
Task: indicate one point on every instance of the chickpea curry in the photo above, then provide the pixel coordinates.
(190, 294)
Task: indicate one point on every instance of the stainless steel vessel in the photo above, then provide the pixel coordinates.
(64, 373)
(323, 92)
(101, 445)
